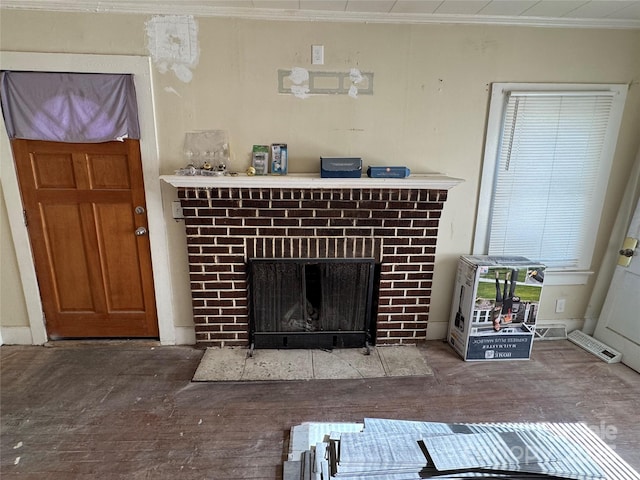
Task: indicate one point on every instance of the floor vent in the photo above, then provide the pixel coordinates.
(550, 332)
(591, 345)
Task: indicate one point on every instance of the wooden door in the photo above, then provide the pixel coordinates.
(619, 322)
(86, 216)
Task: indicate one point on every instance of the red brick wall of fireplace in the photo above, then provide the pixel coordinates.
(227, 226)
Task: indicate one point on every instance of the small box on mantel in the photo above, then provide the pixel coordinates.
(388, 172)
(279, 159)
(260, 159)
(340, 167)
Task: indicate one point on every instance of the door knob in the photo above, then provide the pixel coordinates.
(140, 231)
(627, 251)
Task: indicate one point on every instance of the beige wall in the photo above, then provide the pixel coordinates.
(13, 310)
(428, 111)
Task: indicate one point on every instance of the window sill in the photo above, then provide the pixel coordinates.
(560, 277)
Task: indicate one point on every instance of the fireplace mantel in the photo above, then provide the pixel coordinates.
(433, 181)
(231, 220)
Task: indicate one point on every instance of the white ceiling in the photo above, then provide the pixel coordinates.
(573, 13)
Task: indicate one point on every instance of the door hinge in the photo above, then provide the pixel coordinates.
(44, 318)
(26, 219)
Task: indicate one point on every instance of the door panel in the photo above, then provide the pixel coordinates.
(625, 306)
(123, 284)
(65, 251)
(94, 272)
(619, 322)
(108, 171)
(53, 171)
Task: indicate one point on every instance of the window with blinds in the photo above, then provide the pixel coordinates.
(548, 156)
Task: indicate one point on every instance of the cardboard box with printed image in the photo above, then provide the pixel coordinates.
(495, 307)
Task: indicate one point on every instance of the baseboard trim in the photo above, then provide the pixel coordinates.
(15, 336)
(185, 335)
(437, 330)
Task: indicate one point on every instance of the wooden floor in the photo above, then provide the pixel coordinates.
(129, 410)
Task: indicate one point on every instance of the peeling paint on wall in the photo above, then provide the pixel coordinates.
(172, 42)
(356, 78)
(299, 75)
(303, 83)
(300, 79)
(172, 90)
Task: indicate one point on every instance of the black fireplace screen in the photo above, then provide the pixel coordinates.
(311, 303)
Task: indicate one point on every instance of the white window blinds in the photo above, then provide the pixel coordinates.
(548, 166)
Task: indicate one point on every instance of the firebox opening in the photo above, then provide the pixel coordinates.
(312, 303)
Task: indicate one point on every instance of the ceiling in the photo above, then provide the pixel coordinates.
(570, 13)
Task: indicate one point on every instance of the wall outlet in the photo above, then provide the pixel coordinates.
(176, 210)
(560, 304)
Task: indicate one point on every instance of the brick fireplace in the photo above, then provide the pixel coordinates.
(231, 220)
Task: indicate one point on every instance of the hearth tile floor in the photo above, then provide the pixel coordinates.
(234, 364)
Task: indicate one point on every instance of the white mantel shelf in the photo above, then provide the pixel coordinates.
(433, 181)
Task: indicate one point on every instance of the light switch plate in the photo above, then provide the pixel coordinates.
(317, 54)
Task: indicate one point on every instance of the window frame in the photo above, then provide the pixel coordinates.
(497, 106)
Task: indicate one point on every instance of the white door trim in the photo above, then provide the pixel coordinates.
(140, 67)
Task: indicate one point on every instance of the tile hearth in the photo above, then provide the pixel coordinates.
(234, 364)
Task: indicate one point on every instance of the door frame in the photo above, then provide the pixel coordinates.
(142, 71)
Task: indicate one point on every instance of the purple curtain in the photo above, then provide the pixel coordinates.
(69, 107)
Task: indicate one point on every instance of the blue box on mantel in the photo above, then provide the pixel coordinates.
(388, 172)
(340, 167)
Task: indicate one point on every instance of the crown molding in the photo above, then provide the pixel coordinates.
(201, 8)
